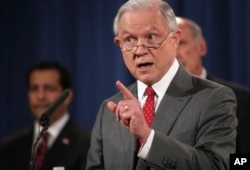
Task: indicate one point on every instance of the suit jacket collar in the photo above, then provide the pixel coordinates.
(173, 101)
(62, 144)
(169, 109)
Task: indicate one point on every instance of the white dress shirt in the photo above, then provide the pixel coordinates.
(53, 129)
(160, 89)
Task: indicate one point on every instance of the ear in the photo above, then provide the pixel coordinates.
(69, 98)
(176, 37)
(117, 41)
(203, 46)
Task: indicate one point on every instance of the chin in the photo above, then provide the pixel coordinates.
(147, 80)
(37, 114)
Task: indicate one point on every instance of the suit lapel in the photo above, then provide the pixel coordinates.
(173, 102)
(62, 144)
(169, 109)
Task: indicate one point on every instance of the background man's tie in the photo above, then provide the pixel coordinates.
(41, 150)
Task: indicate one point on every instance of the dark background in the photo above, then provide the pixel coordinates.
(78, 33)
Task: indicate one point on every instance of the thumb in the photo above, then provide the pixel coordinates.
(112, 106)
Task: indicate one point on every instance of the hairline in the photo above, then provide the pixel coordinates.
(130, 6)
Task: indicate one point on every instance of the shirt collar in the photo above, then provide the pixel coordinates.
(54, 129)
(161, 86)
(203, 73)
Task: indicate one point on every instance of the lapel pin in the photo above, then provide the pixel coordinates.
(66, 141)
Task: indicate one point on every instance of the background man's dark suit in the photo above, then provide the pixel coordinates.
(243, 113)
(69, 150)
(190, 54)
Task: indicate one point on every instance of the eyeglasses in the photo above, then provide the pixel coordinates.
(150, 43)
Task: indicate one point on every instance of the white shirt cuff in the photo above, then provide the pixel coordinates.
(143, 152)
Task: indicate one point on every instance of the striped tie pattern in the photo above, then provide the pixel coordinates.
(41, 150)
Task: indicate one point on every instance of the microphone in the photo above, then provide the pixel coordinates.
(44, 119)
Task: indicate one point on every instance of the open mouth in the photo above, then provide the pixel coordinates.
(145, 65)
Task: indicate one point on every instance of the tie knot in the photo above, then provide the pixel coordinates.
(150, 91)
(45, 135)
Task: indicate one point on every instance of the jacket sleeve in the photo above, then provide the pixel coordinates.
(214, 138)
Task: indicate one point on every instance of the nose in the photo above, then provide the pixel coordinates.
(40, 94)
(140, 49)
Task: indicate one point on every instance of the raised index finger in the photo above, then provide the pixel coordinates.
(125, 92)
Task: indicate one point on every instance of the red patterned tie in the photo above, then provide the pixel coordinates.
(148, 108)
(41, 150)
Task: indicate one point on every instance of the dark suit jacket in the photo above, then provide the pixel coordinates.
(195, 128)
(243, 113)
(69, 150)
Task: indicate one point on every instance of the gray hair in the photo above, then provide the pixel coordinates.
(134, 5)
(193, 26)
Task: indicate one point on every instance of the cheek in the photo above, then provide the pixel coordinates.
(31, 99)
(128, 61)
(192, 49)
(52, 97)
(164, 62)
(186, 51)
(188, 55)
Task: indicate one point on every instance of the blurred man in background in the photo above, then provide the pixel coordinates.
(192, 48)
(65, 145)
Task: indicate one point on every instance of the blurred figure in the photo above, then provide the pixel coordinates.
(67, 144)
(192, 48)
(168, 118)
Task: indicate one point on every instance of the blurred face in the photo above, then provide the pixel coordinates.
(143, 27)
(44, 89)
(190, 50)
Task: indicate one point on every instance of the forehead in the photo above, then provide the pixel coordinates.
(142, 20)
(44, 76)
(186, 31)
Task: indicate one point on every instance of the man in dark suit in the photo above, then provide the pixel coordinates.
(191, 50)
(194, 120)
(67, 143)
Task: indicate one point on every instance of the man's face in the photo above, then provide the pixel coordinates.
(44, 89)
(190, 50)
(147, 65)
